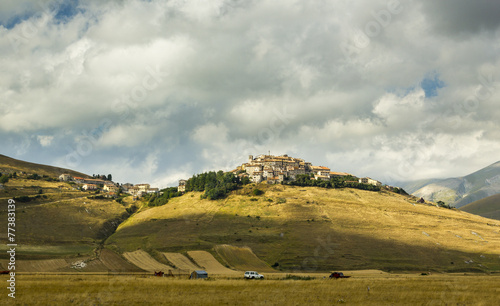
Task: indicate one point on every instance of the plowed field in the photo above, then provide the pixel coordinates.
(180, 261)
(206, 261)
(144, 261)
(242, 258)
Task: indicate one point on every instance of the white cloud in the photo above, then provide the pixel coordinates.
(236, 78)
(45, 140)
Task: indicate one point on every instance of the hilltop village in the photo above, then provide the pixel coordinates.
(263, 168)
(278, 169)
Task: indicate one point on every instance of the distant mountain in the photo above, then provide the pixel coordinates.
(488, 207)
(9, 165)
(459, 191)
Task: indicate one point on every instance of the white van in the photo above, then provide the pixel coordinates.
(253, 274)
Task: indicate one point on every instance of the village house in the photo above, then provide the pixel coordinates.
(182, 186)
(153, 190)
(110, 188)
(79, 180)
(133, 190)
(88, 187)
(65, 177)
(142, 187)
(125, 187)
(339, 174)
(369, 181)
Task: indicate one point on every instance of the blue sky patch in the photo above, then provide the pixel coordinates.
(67, 10)
(431, 84)
(64, 11)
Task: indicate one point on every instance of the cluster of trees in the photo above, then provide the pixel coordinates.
(163, 197)
(335, 182)
(36, 176)
(216, 185)
(25, 199)
(444, 205)
(108, 177)
(4, 178)
(33, 176)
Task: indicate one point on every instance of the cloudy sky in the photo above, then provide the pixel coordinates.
(154, 91)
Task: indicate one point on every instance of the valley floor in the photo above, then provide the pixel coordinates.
(363, 288)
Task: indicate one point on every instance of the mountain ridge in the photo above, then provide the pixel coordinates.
(459, 191)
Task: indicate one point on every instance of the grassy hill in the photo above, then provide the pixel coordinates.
(288, 228)
(9, 165)
(59, 221)
(488, 207)
(299, 228)
(54, 219)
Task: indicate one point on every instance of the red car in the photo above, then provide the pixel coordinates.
(337, 275)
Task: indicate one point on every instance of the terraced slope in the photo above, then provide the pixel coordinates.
(144, 261)
(208, 262)
(115, 263)
(181, 262)
(242, 258)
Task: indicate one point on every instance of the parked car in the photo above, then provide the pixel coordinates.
(338, 275)
(253, 275)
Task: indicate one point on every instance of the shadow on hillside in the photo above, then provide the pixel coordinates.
(296, 245)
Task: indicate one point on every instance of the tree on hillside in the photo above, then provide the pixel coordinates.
(110, 177)
(4, 179)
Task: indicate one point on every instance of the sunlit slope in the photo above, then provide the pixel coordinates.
(488, 207)
(59, 221)
(8, 164)
(319, 229)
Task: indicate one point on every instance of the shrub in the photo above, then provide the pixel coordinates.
(296, 277)
(4, 179)
(34, 176)
(257, 192)
(22, 199)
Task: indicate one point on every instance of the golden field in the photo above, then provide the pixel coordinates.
(317, 229)
(370, 288)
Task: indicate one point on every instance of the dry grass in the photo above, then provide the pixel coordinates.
(139, 290)
(181, 262)
(144, 261)
(241, 258)
(320, 229)
(209, 263)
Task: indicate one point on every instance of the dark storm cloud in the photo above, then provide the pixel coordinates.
(458, 17)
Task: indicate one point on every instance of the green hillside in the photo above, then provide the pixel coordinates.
(54, 219)
(310, 228)
(488, 207)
